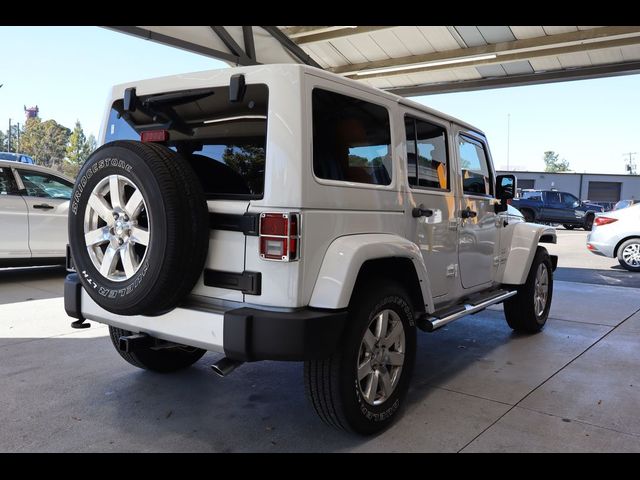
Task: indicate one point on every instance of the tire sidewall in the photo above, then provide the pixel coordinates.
(115, 296)
(368, 418)
(542, 257)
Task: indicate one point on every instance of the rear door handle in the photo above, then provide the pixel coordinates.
(44, 206)
(468, 213)
(421, 212)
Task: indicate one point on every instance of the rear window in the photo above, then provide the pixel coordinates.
(351, 139)
(224, 142)
(532, 195)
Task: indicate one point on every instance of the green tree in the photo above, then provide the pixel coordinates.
(248, 161)
(78, 150)
(552, 162)
(45, 141)
(3, 141)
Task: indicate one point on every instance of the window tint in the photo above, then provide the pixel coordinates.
(532, 195)
(44, 185)
(475, 170)
(569, 199)
(553, 197)
(7, 184)
(224, 142)
(351, 139)
(430, 143)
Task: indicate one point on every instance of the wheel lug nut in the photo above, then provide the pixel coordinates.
(120, 241)
(115, 215)
(126, 218)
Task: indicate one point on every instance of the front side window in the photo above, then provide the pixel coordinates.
(426, 154)
(44, 185)
(553, 197)
(570, 200)
(476, 176)
(351, 139)
(7, 184)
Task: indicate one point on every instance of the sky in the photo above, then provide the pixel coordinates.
(68, 73)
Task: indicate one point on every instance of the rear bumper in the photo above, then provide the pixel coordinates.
(243, 334)
(600, 244)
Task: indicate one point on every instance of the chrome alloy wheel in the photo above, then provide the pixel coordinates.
(631, 255)
(541, 289)
(381, 357)
(116, 228)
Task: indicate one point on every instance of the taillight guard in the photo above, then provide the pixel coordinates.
(279, 236)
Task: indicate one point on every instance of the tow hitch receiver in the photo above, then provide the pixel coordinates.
(131, 343)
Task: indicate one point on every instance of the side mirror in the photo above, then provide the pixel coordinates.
(505, 187)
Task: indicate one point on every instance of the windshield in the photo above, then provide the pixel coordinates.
(224, 142)
(7, 156)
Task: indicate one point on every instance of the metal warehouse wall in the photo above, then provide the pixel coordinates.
(570, 182)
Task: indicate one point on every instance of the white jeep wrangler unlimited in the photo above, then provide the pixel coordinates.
(284, 213)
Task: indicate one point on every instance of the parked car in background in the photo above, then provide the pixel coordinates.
(625, 203)
(17, 157)
(34, 202)
(617, 235)
(551, 206)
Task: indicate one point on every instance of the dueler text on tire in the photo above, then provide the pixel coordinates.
(528, 310)
(361, 387)
(138, 228)
(159, 360)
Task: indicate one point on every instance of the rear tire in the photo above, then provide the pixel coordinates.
(163, 360)
(629, 255)
(360, 387)
(528, 310)
(568, 227)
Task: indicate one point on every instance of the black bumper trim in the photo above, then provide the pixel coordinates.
(247, 223)
(72, 300)
(249, 283)
(252, 334)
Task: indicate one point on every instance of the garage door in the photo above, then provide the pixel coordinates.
(604, 191)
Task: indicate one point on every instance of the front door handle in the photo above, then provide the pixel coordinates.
(468, 213)
(420, 211)
(44, 206)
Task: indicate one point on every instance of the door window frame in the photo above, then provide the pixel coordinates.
(419, 187)
(469, 137)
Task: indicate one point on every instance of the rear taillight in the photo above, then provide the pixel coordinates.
(599, 221)
(279, 236)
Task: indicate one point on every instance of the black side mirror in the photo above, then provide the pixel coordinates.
(505, 187)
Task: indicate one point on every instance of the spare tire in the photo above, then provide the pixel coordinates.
(138, 228)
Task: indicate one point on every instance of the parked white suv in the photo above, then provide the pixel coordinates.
(284, 213)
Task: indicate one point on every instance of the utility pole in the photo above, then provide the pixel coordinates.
(508, 134)
(630, 164)
(9, 138)
(18, 141)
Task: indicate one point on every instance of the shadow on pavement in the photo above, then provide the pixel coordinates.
(615, 277)
(31, 283)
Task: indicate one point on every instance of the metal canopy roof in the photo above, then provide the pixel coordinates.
(418, 60)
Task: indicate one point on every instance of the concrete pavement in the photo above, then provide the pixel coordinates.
(477, 386)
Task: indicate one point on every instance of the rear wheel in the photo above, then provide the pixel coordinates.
(568, 227)
(162, 360)
(629, 255)
(528, 310)
(361, 387)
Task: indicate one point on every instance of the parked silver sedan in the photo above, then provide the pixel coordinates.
(616, 234)
(34, 203)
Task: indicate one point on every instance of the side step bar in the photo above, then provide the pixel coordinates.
(437, 319)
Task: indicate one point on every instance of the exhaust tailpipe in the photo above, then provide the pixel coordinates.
(225, 366)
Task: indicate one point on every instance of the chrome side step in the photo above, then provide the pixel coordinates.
(432, 322)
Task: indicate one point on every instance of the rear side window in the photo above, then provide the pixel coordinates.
(476, 177)
(426, 154)
(351, 139)
(44, 185)
(224, 142)
(7, 184)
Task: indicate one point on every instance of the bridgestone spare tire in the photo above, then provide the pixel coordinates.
(138, 228)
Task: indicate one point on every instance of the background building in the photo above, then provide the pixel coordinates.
(596, 187)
